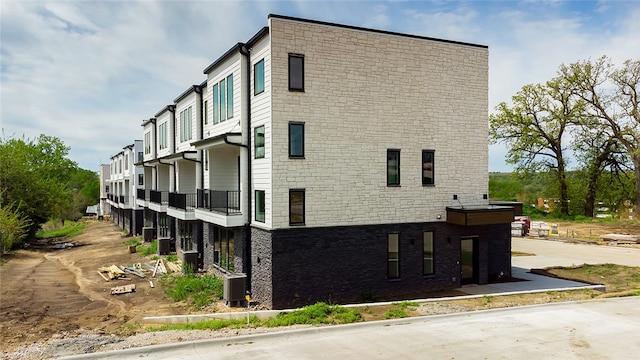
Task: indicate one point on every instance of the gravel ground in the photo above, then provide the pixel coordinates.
(87, 341)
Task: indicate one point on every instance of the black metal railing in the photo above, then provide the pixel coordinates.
(141, 194)
(182, 201)
(121, 199)
(159, 197)
(222, 201)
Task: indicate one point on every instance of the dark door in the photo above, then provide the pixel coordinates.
(469, 260)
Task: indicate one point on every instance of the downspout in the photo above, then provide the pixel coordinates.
(245, 52)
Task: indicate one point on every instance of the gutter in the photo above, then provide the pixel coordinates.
(246, 53)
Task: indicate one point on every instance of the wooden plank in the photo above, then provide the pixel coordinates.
(123, 289)
(103, 276)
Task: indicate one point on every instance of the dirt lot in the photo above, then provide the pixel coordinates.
(45, 292)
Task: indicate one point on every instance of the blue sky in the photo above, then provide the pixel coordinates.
(89, 72)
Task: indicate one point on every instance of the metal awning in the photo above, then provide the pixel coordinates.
(480, 215)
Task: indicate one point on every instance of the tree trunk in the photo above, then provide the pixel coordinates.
(636, 164)
(564, 191)
(590, 199)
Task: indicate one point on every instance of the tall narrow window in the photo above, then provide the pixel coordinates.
(140, 179)
(126, 161)
(162, 135)
(206, 159)
(260, 213)
(296, 140)
(223, 100)
(147, 143)
(427, 253)
(393, 167)
(230, 96)
(259, 142)
(296, 72)
(205, 112)
(296, 207)
(216, 104)
(258, 77)
(427, 167)
(393, 256)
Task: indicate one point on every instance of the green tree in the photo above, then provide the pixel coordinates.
(612, 96)
(14, 227)
(34, 176)
(535, 128)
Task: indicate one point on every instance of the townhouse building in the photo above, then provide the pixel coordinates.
(325, 162)
(126, 176)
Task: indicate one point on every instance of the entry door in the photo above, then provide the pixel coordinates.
(469, 260)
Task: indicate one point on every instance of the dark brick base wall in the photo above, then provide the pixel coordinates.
(300, 266)
(137, 222)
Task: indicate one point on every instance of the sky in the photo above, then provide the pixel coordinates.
(89, 72)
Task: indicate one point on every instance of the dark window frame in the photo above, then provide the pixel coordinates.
(425, 181)
(256, 145)
(301, 155)
(262, 219)
(390, 259)
(432, 271)
(304, 201)
(293, 86)
(256, 88)
(390, 168)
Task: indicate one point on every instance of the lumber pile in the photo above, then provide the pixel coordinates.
(123, 289)
(112, 272)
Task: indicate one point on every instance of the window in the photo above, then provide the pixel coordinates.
(216, 104)
(223, 100)
(427, 253)
(140, 157)
(186, 235)
(258, 77)
(427, 167)
(296, 207)
(140, 179)
(393, 256)
(230, 96)
(205, 111)
(296, 140)
(126, 161)
(223, 248)
(260, 213)
(162, 136)
(147, 143)
(259, 142)
(206, 159)
(296, 72)
(185, 125)
(393, 167)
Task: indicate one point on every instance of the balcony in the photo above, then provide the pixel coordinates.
(159, 197)
(220, 201)
(182, 201)
(142, 194)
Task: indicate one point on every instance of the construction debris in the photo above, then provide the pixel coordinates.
(133, 271)
(112, 272)
(123, 289)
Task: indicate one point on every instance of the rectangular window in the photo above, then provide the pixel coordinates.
(140, 158)
(393, 256)
(258, 77)
(147, 143)
(296, 140)
(259, 142)
(223, 100)
(185, 125)
(216, 104)
(206, 159)
(296, 207)
(205, 112)
(427, 167)
(427, 253)
(162, 136)
(393, 167)
(140, 179)
(186, 235)
(296, 72)
(230, 96)
(260, 213)
(126, 161)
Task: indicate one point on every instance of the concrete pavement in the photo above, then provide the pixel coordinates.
(594, 329)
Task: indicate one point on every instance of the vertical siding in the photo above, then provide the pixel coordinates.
(366, 92)
(184, 104)
(228, 67)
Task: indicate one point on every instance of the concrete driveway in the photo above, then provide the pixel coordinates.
(595, 329)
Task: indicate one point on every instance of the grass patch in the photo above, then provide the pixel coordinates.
(395, 313)
(316, 314)
(520, 253)
(215, 324)
(150, 249)
(616, 278)
(70, 229)
(196, 290)
(134, 241)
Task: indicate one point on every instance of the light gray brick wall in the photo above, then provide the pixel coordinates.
(366, 92)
